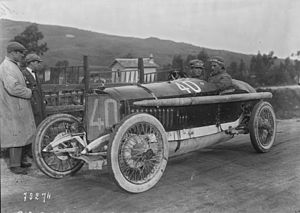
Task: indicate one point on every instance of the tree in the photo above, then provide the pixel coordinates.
(278, 75)
(63, 63)
(238, 71)
(203, 56)
(290, 69)
(243, 70)
(261, 66)
(30, 38)
(177, 63)
(189, 58)
(297, 68)
(233, 69)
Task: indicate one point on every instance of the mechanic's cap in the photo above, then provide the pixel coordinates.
(15, 46)
(196, 63)
(217, 59)
(32, 57)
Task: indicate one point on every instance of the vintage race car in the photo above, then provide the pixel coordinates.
(133, 130)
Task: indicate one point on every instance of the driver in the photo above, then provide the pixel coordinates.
(196, 68)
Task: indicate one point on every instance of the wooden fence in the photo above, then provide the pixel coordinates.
(64, 87)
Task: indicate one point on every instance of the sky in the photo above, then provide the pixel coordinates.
(245, 26)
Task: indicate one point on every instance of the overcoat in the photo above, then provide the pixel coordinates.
(17, 125)
(221, 80)
(37, 99)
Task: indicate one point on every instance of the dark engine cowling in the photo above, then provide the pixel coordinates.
(108, 108)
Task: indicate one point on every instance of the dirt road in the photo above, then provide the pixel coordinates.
(229, 177)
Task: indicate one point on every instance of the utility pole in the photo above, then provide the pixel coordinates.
(86, 74)
(141, 70)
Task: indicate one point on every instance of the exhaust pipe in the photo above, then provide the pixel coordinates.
(177, 148)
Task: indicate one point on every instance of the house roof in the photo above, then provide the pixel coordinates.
(133, 62)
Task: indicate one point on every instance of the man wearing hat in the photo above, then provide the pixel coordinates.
(17, 125)
(218, 75)
(196, 68)
(37, 100)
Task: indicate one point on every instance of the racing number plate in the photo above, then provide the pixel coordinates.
(102, 112)
(96, 165)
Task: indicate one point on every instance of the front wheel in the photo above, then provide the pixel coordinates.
(52, 164)
(138, 153)
(262, 126)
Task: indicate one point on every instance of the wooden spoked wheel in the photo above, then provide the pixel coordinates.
(138, 153)
(56, 165)
(262, 126)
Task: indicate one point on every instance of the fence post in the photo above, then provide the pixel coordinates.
(298, 77)
(86, 74)
(141, 70)
(65, 73)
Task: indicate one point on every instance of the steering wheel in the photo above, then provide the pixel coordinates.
(173, 75)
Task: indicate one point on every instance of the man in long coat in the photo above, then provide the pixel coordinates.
(17, 125)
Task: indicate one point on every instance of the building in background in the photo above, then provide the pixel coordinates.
(125, 70)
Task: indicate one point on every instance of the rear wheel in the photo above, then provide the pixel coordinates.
(56, 165)
(138, 153)
(262, 126)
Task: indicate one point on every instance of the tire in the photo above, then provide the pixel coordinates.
(138, 153)
(262, 127)
(55, 166)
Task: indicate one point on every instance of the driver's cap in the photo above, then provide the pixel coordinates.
(217, 59)
(196, 63)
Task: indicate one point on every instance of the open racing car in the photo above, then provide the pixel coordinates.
(134, 129)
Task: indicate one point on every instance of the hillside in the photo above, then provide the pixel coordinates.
(66, 43)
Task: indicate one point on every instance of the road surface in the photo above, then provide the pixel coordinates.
(229, 177)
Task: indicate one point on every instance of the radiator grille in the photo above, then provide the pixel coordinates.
(169, 117)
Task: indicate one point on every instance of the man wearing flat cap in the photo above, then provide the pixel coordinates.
(17, 126)
(32, 82)
(218, 75)
(196, 68)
